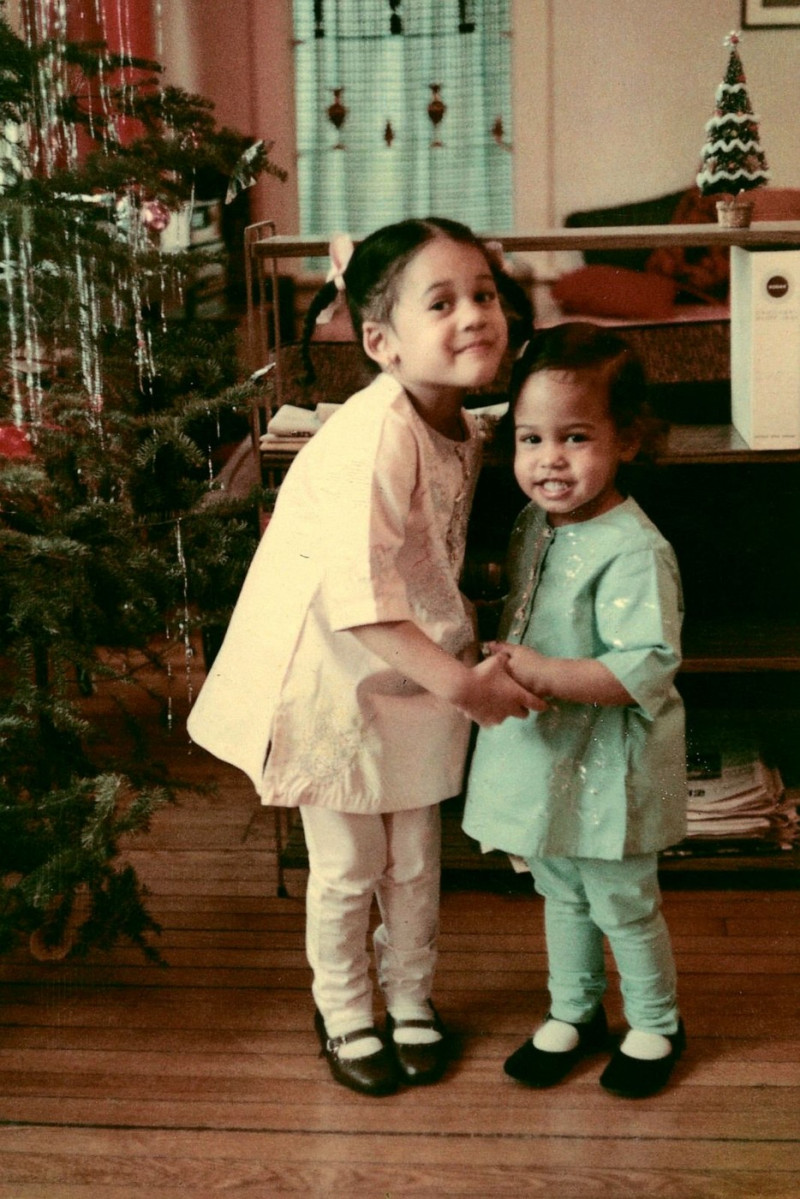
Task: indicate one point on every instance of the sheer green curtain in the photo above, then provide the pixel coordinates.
(387, 159)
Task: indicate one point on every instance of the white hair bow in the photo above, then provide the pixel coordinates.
(496, 253)
(340, 251)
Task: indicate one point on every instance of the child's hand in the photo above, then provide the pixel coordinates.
(523, 664)
(493, 695)
(576, 680)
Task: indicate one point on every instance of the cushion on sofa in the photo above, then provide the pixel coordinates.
(603, 290)
(776, 203)
(645, 283)
(657, 211)
(701, 272)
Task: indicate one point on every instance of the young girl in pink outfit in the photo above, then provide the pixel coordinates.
(349, 676)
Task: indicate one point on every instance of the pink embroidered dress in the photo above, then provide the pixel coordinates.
(370, 527)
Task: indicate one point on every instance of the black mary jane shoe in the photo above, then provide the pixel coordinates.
(543, 1068)
(420, 1064)
(636, 1078)
(374, 1075)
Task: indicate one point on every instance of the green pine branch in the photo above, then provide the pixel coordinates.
(108, 532)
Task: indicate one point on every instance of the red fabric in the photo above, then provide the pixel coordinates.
(615, 291)
(702, 271)
(125, 27)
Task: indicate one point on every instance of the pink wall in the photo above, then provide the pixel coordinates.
(239, 55)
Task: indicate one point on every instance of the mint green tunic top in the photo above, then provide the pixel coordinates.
(579, 780)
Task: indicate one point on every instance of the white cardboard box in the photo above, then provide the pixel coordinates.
(765, 347)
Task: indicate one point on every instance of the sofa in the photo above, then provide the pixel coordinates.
(665, 284)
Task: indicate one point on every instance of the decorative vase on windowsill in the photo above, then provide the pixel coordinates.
(733, 162)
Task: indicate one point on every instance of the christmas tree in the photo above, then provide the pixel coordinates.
(732, 159)
(114, 406)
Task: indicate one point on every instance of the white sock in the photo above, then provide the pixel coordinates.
(556, 1036)
(363, 1047)
(415, 1036)
(646, 1046)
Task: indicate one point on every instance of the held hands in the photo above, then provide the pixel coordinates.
(493, 695)
(486, 693)
(524, 664)
(575, 680)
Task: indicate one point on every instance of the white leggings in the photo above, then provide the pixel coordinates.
(395, 858)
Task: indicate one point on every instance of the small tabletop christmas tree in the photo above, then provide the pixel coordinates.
(732, 158)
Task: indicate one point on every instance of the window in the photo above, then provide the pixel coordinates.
(403, 109)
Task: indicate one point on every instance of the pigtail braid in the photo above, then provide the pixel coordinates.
(518, 307)
(324, 297)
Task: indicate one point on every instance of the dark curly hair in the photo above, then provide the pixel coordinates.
(578, 346)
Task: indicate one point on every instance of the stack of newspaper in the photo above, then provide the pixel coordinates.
(735, 795)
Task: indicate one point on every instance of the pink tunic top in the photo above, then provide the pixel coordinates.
(370, 527)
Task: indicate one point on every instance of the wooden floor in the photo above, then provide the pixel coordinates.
(203, 1078)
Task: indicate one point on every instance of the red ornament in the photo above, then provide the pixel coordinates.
(337, 114)
(436, 110)
(155, 215)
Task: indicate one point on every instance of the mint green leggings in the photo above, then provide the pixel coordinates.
(586, 899)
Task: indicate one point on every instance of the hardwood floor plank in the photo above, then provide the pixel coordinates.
(428, 1152)
(162, 1165)
(513, 1014)
(97, 1038)
(453, 1181)
(273, 1105)
(706, 983)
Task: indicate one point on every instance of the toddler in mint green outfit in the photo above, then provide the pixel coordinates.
(588, 791)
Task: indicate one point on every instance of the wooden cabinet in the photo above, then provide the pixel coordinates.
(731, 513)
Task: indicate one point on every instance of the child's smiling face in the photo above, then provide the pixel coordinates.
(567, 446)
(447, 332)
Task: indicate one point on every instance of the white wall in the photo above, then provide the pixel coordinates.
(632, 84)
(611, 99)
(610, 96)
